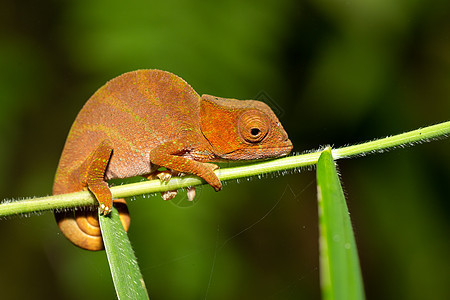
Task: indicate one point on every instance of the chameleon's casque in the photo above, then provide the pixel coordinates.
(145, 119)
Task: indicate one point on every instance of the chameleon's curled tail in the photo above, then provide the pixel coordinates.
(82, 227)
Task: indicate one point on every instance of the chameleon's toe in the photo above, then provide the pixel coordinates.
(214, 167)
(105, 210)
(217, 187)
(215, 182)
(164, 176)
(190, 193)
(168, 195)
(211, 177)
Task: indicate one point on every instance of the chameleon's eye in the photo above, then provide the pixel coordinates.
(253, 126)
(255, 131)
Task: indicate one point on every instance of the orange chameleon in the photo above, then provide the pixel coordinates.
(146, 119)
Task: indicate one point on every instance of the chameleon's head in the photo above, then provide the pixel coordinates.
(242, 129)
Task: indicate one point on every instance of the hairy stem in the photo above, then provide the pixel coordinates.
(85, 198)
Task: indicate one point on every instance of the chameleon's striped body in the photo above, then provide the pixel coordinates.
(128, 111)
(145, 119)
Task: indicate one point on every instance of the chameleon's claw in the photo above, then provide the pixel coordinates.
(211, 177)
(164, 176)
(168, 195)
(191, 193)
(105, 210)
(213, 166)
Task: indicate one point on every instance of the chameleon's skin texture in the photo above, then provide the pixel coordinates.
(145, 119)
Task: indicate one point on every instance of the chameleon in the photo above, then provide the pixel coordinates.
(143, 120)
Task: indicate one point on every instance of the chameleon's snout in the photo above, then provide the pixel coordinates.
(288, 145)
(285, 147)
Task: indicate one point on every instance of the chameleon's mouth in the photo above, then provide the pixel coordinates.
(279, 150)
(251, 153)
(287, 146)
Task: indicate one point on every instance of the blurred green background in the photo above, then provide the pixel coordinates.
(339, 71)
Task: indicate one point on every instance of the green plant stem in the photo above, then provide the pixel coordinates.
(281, 164)
(404, 139)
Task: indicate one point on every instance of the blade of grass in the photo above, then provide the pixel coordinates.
(339, 263)
(127, 277)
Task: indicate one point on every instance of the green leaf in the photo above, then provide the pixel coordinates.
(125, 271)
(339, 263)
